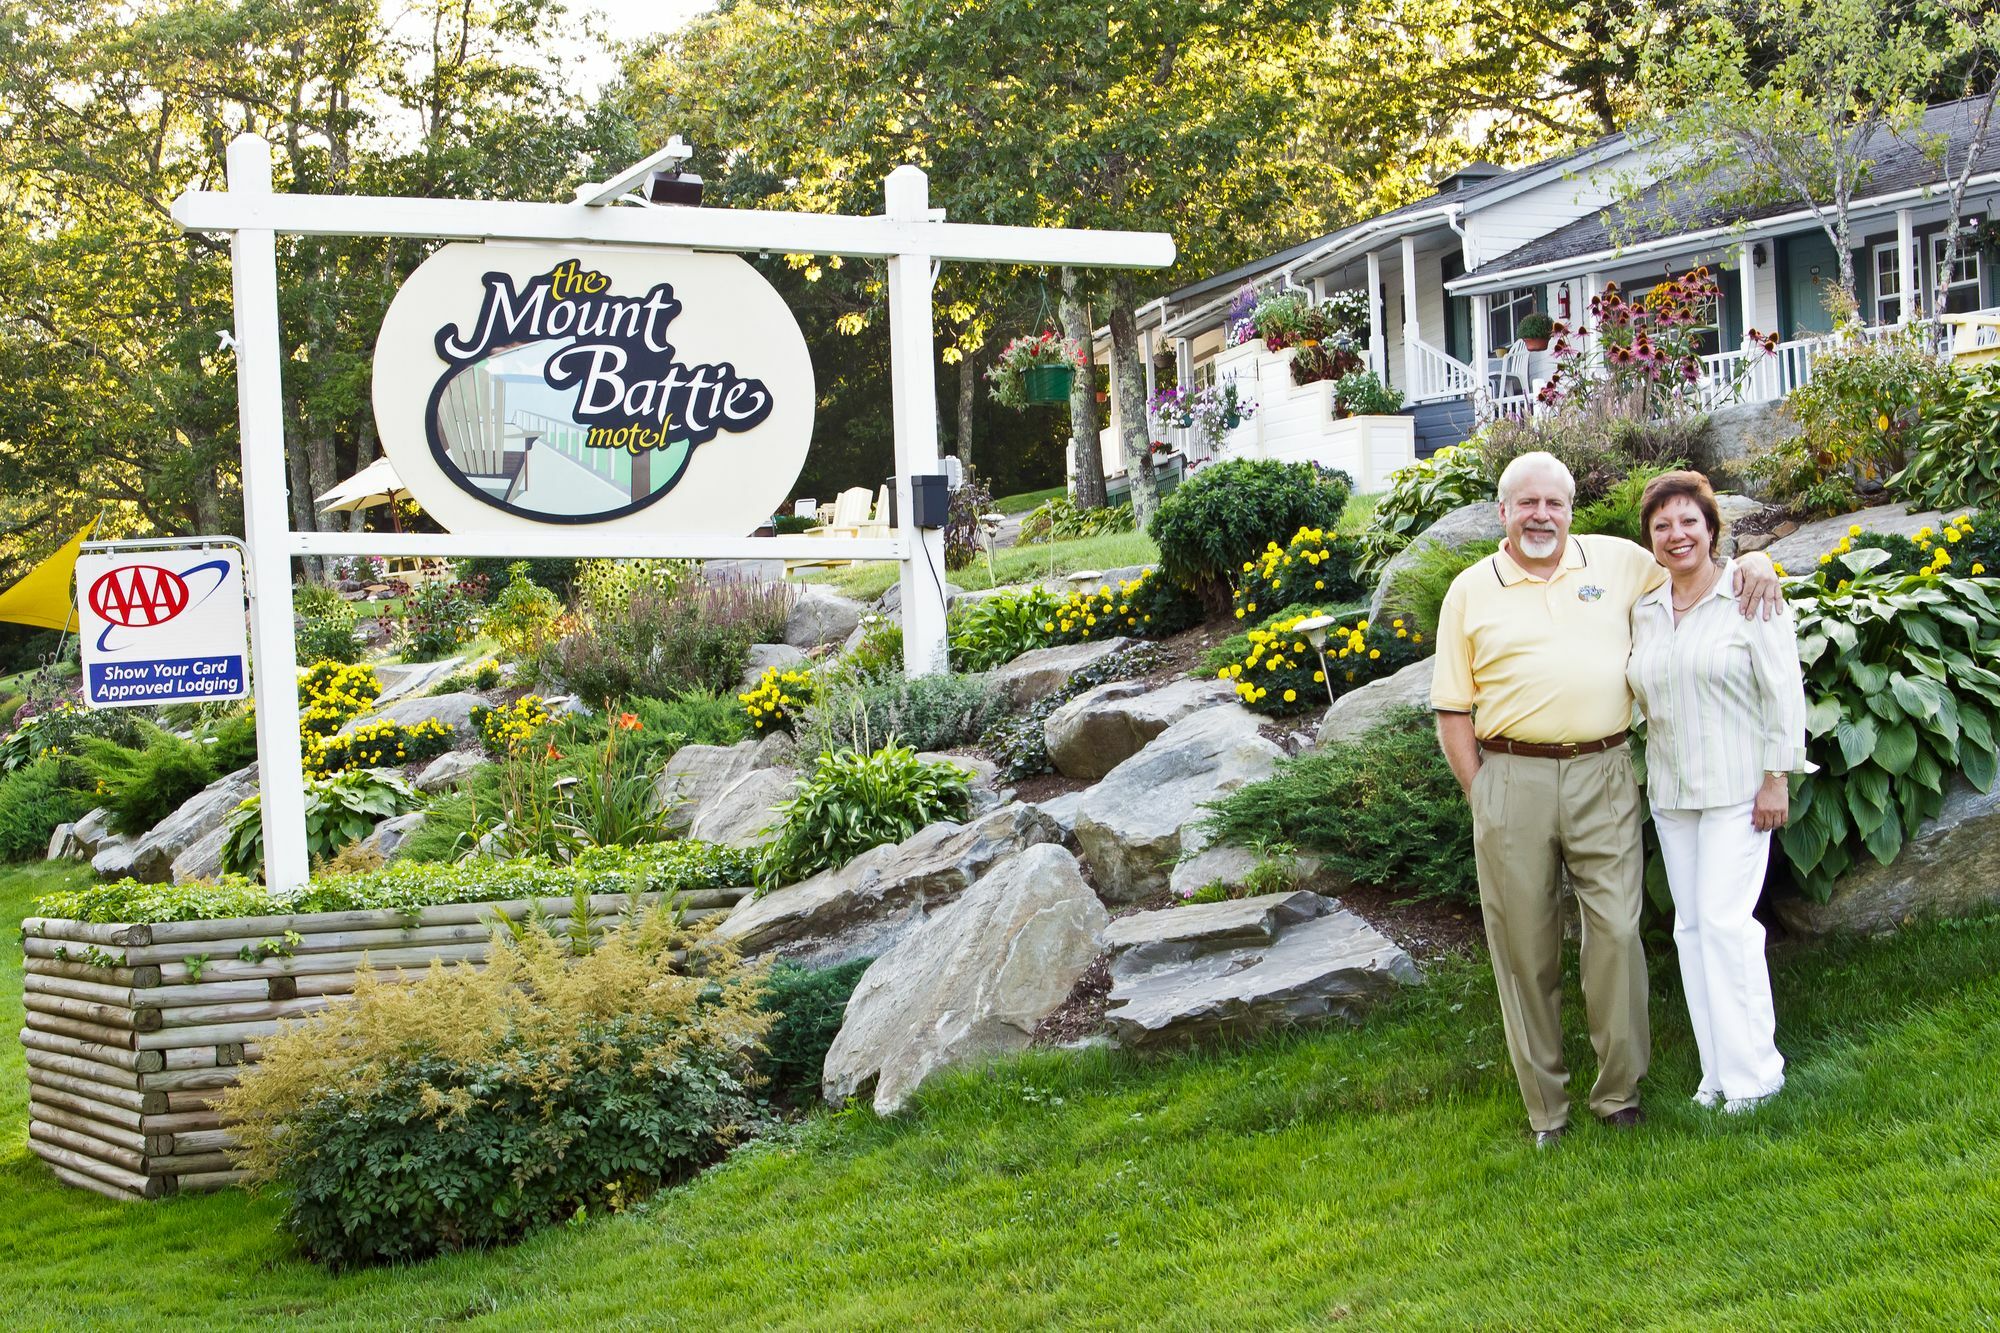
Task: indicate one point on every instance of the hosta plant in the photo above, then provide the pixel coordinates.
(1902, 699)
(991, 631)
(853, 801)
(1955, 461)
(1421, 494)
(339, 810)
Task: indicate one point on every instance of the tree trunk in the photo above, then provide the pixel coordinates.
(1083, 427)
(300, 485)
(1128, 381)
(968, 380)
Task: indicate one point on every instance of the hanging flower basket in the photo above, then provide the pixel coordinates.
(1036, 369)
(1048, 384)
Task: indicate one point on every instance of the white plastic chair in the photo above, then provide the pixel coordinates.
(1512, 370)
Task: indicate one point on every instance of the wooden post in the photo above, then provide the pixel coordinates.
(1378, 355)
(913, 388)
(267, 568)
(1412, 334)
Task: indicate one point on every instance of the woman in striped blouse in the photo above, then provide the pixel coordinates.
(1725, 710)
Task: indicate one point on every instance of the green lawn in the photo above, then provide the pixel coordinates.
(1026, 500)
(1013, 564)
(1374, 1178)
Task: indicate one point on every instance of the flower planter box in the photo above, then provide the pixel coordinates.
(134, 1030)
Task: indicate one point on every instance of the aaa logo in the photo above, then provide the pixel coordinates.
(139, 596)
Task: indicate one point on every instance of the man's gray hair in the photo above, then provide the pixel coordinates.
(1536, 461)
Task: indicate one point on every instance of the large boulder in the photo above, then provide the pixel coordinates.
(1062, 809)
(449, 769)
(387, 836)
(697, 776)
(1040, 672)
(1359, 712)
(453, 710)
(1739, 430)
(1233, 969)
(766, 655)
(1130, 824)
(821, 616)
(91, 832)
(398, 679)
(1103, 727)
(202, 813)
(63, 844)
(203, 858)
(1458, 529)
(113, 857)
(891, 602)
(1232, 866)
(1799, 551)
(1950, 868)
(865, 907)
(971, 983)
(744, 812)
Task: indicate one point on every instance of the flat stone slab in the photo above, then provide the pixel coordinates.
(1358, 712)
(152, 856)
(1800, 551)
(971, 983)
(449, 770)
(821, 616)
(1130, 824)
(454, 710)
(697, 775)
(765, 655)
(1235, 969)
(1950, 868)
(864, 908)
(1103, 727)
(744, 814)
(1040, 672)
(399, 679)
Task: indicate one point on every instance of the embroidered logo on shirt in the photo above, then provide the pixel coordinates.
(1589, 592)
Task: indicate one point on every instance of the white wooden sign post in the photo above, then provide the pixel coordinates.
(909, 235)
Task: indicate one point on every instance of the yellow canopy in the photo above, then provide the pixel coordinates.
(45, 596)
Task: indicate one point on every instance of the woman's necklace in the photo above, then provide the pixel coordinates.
(1715, 572)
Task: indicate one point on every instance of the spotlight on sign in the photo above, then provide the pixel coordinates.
(675, 187)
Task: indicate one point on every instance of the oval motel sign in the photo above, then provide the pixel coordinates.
(520, 385)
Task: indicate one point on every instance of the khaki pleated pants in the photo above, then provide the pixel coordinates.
(1530, 817)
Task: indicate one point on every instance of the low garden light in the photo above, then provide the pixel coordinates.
(1315, 628)
(989, 524)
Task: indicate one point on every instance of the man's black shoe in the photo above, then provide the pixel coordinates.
(1629, 1118)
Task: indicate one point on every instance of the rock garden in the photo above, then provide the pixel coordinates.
(704, 828)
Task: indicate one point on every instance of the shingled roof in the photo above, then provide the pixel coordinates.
(1663, 210)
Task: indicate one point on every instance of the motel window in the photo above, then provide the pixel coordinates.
(1504, 314)
(1960, 290)
(1204, 375)
(1888, 285)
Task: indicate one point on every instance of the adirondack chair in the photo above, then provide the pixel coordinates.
(1975, 338)
(472, 416)
(850, 516)
(877, 523)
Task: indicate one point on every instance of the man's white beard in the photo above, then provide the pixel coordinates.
(1539, 547)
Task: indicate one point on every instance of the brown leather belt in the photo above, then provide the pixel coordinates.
(1564, 750)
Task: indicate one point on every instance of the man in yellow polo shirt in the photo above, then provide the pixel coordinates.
(1532, 709)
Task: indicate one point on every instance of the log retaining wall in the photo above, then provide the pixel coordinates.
(133, 1030)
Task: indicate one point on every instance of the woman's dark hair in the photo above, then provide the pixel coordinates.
(1692, 485)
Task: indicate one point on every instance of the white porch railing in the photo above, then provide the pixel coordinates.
(1755, 376)
(1435, 374)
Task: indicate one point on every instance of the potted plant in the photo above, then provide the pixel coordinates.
(1534, 330)
(1986, 239)
(1363, 394)
(1038, 368)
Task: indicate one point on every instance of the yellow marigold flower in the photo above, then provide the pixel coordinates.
(1854, 529)
(1402, 633)
(1977, 569)
(1319, 677)
(1048, 627)
(1253, 606)
(1222, 673)
(1291, 696)
(1951, 534)
(1249, 565)
(1826, 559)
(1239, 615)
(1778, 567)
(1374, 653)
(1319, 585)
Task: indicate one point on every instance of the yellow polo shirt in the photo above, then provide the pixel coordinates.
(1543, 659)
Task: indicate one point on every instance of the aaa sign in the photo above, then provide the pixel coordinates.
(163, 627)
(526, 385)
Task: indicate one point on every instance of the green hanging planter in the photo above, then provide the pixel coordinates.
(1048, 384)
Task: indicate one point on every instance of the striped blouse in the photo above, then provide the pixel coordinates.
(1723, 698)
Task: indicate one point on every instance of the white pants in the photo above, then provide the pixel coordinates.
(1715, 868)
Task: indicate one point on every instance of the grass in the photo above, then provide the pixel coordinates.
(1376, 1178)
(1026, 500)
(1013, 564)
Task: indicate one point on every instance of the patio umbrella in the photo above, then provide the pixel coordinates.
(45, 595)
(376, 484)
